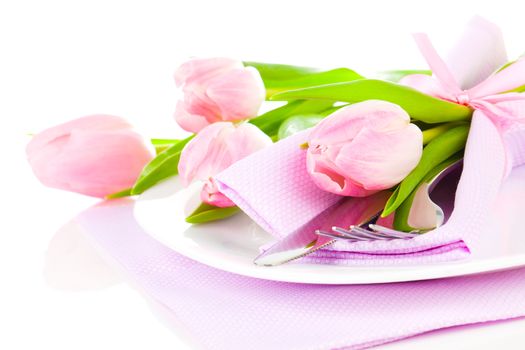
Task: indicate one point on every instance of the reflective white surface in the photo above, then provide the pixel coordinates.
(56, 291)
(65, 59)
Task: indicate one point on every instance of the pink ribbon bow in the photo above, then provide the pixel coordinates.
(488, 93)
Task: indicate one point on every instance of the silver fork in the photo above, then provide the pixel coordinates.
(301, 244)
(373, 233)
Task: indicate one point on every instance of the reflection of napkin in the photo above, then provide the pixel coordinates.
(220, 310)
(272, 187)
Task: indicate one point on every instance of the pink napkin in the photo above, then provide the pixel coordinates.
(269, 188)
(273, 187)
(220, 310)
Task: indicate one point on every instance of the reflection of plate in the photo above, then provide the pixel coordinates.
(233, 243)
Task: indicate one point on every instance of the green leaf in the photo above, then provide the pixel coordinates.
(436, 152)
(298, 123)
(315, 79)
(419, 105)
(397, 75)
(403, 211)
(207, 213)
(270, 122)
(506, 65)
(163, 144)
(120, 194)
(271, 71)
(163, 166)
(278, 77)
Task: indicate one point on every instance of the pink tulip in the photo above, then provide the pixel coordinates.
(96, 155)
(217, 89)
(363, 148)
(215, 148)
(210, 194)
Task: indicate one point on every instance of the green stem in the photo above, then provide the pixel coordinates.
(432, 133)
(163, 144)
(120, 194)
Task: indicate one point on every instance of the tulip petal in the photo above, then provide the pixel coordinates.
(245, 140)
(92, 122)
(381, 160)
(100, 163)
(218, 146)
(197, 157)
(94, 155)
(344, 124)
(210, 194)
(327, 177)
(90, 161)
(199, 70)
(217, 89)
(363, 148)
(191, 122)
(238, 93)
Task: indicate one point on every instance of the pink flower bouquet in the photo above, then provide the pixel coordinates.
(344, 149)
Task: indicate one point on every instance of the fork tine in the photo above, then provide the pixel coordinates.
(375, 233)
(371, 234)
(361, 233)
(350, 234)
(335, 236)
(392, 232)
(358, 233)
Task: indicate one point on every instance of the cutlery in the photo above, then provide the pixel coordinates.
(304, 241)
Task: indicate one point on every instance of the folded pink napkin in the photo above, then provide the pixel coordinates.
(220, 310)
(273, 187)
(269, 187)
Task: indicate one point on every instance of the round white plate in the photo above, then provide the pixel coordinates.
(233, 243)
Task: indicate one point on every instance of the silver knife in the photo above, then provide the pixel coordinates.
(291, 247)
(350, 211)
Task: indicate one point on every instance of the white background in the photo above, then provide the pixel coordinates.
(62, 60)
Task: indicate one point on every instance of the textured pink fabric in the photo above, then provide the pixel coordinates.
(273, 188)
(268, 187)
(219, 310)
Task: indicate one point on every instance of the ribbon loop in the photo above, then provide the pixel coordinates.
(438, 67)
(504, 109)
(491, 97)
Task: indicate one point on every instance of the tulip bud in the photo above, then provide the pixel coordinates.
(217, 89)
(363, 148)
(96, 155)
(215, 148)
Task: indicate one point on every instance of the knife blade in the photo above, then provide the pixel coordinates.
(304, 241)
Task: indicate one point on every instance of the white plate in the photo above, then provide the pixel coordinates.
(232, 244)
